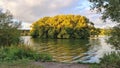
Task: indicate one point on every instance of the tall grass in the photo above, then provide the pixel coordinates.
(13, 53)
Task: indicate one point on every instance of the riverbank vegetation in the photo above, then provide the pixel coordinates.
(115, 37)
(11, 48)
(109, 61)
(62, 27)
(14, 53)
(9, 33)
(110, 9)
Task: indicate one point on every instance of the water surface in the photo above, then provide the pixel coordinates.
(71, 50)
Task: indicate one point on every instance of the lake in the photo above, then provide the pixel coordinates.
(71, 50)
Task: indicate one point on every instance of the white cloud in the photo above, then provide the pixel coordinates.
(31, 10)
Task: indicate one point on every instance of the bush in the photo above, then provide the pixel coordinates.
(13, 53)
(109, 61)
(9, 33)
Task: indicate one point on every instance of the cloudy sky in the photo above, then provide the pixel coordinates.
(29, 11)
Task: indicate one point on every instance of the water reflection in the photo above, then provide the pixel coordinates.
(97, 50)
(71, 50)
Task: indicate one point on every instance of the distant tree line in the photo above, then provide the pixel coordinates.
(24, 32)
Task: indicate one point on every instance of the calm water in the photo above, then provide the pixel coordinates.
(71, 50)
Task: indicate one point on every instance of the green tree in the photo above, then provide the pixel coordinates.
(115, 37)
(9, 33)
(110, 9)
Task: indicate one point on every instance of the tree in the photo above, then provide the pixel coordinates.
(9, 33)
(61, 26)
(115, 37)
(110, 9)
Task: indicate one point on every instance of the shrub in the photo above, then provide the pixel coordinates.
(13, 53)
(9, 33)
(109, 61)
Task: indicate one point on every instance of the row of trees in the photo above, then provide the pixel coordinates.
(62, 26)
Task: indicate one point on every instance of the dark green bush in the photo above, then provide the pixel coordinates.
(22, 52)
(109, 61)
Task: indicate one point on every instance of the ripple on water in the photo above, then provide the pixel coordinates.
(72, 51)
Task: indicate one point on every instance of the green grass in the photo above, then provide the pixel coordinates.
(13, 53)
(21, 57)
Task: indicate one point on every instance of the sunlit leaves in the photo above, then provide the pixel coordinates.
(61, 26)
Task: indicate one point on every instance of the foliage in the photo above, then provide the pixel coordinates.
(109, 61)
(95, 31)
(14, 53)
(101, 31)
(24, 32)
(105, 31)
(9, 33)
(61, 26)
(115, 37)
(109, 8)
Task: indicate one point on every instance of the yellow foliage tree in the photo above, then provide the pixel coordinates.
(61, 26)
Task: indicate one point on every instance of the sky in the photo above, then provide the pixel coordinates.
(28, 11)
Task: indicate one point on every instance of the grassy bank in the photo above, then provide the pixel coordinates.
(24, 53)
